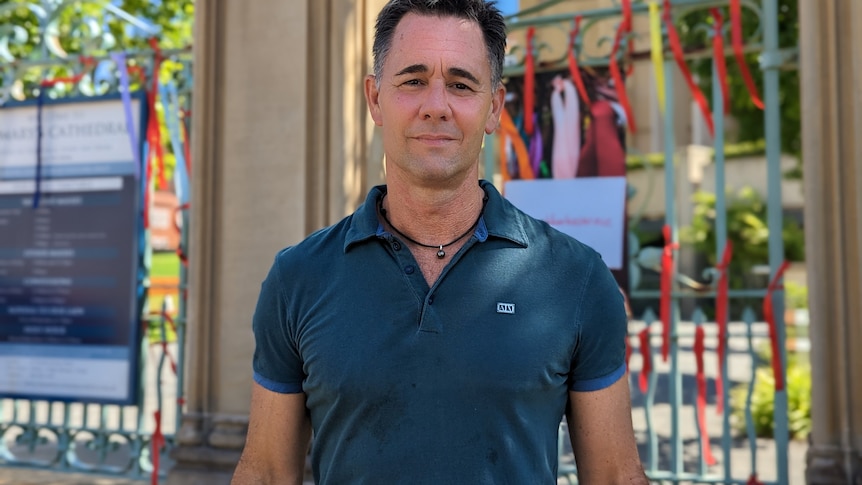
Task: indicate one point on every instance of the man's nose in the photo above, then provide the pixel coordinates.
(436, 103)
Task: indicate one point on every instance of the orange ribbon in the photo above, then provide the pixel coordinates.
(721, 301)
(529, 83)
(509, 130)
(678, 54)
(736, 37)
(718, 54)
(666, 288)
(574, 70)
(773, 326)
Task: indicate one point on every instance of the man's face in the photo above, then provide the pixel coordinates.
(435, 100)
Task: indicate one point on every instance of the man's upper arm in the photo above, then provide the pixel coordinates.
(600, 427)
(277, 443)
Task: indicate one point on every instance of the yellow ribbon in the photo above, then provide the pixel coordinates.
(657, 52)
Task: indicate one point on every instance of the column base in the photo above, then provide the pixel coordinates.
(208, 449)
(827, 465)
(202, 466)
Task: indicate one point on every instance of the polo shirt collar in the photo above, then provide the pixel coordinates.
(500, 219)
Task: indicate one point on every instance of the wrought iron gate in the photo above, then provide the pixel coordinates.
(78, 436)
(672, 431)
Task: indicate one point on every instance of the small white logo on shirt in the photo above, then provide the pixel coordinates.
(506, 308)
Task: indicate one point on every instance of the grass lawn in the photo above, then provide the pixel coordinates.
(164, 269)
(165, 265)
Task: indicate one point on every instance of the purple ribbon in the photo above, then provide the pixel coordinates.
(120, 59)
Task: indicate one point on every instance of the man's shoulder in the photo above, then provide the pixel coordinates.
(546, 237)
(317, 247)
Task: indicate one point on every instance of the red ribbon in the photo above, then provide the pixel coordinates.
(529, 83)
(678, 54)
(773, 326)
(627, 19)
(721, 302)
(180, 252)
(158, 441)
(574, 70)
(87, 62)
(736, 37)
(47, 83)
(700, 377)
(666, 287)
(646, 353)
(154, 133)
(625, 26)
(752, 480)
(628, 352)
(718, 54)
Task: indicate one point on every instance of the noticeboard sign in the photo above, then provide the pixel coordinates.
(590, 209)
(69, 299)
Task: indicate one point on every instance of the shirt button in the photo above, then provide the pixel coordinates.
(408, 269)
(430, 299)
(396, 246)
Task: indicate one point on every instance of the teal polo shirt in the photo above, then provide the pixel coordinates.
(465, 381)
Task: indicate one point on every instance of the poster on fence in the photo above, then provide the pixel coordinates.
(590, 209)
(69, 242)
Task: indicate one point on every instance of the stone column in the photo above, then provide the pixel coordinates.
(281, 143)
(831, 79)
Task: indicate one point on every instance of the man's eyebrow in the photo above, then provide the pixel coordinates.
(459, 72)
(452, 71)
(413, 69)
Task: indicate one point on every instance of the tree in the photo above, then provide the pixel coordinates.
(92, 28)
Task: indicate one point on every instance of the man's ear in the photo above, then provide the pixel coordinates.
(498, 102)
(372, 97)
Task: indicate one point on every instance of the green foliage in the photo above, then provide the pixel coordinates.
(171, 19)
(798, 387)
(747, 230)
(795, 295)
(749, 117)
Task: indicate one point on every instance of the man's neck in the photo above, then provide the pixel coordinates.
(432, 215)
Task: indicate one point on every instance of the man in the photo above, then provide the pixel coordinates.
(438, 334)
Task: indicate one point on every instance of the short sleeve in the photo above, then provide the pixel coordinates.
(599, 357)
(276, 363)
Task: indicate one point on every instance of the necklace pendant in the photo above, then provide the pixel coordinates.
(440, 253)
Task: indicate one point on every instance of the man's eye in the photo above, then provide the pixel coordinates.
(460, 86)
(413, 82)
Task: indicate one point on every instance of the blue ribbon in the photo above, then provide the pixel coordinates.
(37, 191)
(170, 103)
(120, 59)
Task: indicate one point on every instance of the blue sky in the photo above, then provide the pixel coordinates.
(508, 7)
